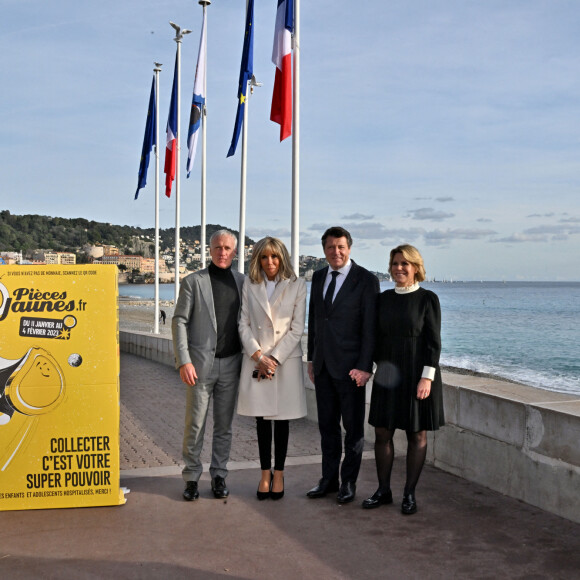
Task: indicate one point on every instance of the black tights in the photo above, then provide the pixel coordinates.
(281, 431)
(385, 453)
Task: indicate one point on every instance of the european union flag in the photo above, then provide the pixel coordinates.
(246, 71)
(148, 141)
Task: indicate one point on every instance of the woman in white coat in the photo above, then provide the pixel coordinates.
(271, 383)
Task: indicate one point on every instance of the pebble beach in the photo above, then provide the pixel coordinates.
(139, 315)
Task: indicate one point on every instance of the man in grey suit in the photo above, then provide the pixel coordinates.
(208, 355)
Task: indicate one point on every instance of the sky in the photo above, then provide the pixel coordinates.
(453, 125)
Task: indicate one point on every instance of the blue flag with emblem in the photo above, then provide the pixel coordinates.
(148, 141)
(246, 71)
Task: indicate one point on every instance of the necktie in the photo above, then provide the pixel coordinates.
(330, 291)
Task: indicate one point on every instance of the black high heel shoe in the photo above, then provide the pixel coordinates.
(276, 494)
(265, 494)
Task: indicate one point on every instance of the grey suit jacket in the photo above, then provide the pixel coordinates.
(194, 324)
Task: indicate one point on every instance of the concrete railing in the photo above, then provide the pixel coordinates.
(517, 440)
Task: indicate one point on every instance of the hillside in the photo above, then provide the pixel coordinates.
(31, 232)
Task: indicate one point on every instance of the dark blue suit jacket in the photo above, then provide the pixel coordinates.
(345, 338)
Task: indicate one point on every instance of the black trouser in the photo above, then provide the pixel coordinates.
(281, 431)
(336, 400)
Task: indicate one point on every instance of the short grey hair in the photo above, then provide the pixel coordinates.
(220, 233)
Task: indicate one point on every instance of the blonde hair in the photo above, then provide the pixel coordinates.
(412, 255)
(277, 248)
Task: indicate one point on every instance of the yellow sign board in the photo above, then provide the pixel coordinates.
(59, 387)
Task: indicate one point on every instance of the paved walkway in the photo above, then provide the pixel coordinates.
(462, 530)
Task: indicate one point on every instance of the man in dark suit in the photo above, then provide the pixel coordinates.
(208, 355)
(341, 328)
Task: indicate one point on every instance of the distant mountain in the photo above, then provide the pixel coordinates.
(31, 232)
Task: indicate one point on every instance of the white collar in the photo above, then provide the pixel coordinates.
(407, 289)
(344, 270)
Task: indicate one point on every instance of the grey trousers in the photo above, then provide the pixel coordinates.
(221, 384)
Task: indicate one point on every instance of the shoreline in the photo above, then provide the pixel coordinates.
(137, 315)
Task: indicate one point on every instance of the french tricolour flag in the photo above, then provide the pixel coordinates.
(171, 150)
(281, 112)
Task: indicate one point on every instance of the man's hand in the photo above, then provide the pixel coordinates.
(311, 372)
(359, 377)
(188, 374)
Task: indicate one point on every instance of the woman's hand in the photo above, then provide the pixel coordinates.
(266, 367)
(423, 388)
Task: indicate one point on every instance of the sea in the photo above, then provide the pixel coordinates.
(527, 332)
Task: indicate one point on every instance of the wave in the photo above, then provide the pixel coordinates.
(557, 381)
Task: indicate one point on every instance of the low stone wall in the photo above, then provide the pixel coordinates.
(517, 440)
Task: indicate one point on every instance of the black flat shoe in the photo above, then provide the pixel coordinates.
(323, 487)
(262, 495)
(409, 505)
(277, 494)
(378, 498)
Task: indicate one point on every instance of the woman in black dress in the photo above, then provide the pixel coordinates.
(407, 389)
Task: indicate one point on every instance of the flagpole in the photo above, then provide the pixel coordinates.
(204, 4)
(178, 37)
(242, 232)
(295, 242)
(156, 70)
(242, 228)
(242, 241)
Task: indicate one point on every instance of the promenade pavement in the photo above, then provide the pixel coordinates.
(462, 530)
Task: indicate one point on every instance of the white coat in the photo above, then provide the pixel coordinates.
(275, 327)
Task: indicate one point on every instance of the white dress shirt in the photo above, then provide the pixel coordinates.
(342, 274)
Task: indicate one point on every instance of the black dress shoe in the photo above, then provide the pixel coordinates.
(323, 487)
(190, 492)
(218, 486)
(377, 499)
(409, 505)
(347, 492)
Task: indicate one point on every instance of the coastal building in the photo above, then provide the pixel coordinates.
(110, 250)
(50, 257)
(138, 263)
(11, 257)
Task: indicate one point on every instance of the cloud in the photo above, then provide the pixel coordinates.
(543, 233)
(357, 216)
(484, 220)
(371, 231)
(368, 230)
(521, 238)
(572, 220)
(399, 236)
(319, 228)
(445, 199)
(534, 215)
(553, 229)
(258, 233)
(307, 240)
(439, 237)
(428, 213)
